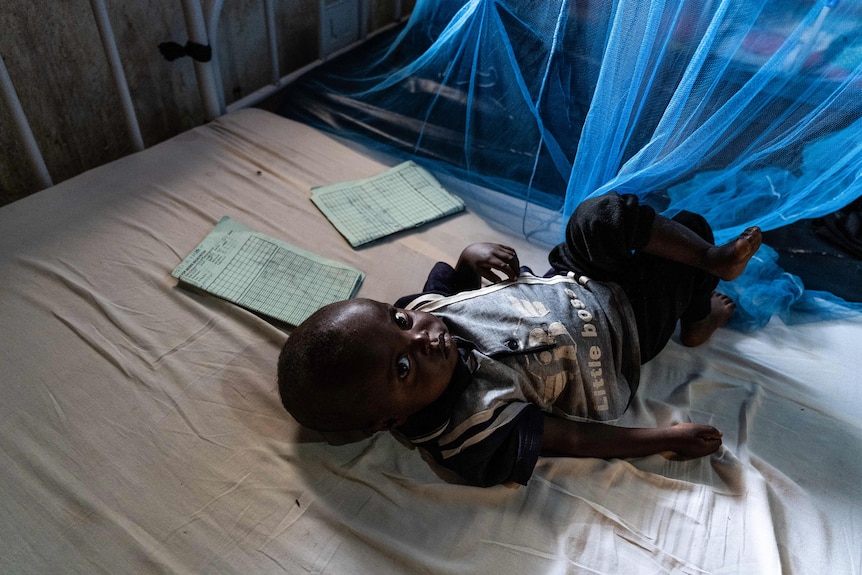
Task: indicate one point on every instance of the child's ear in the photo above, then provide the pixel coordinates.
(386, 424)
(344, 437)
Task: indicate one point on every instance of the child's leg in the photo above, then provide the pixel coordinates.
(693, 332)
(668, 268)
(667, 292)
(681, 239)
(673, 241)
(605, 238)
(602, 236)
(604, 233)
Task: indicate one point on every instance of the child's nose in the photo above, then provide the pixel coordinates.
(421, 340)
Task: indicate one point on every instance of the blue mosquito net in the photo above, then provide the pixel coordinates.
(748, 112)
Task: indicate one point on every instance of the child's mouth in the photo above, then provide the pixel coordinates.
(443, 344)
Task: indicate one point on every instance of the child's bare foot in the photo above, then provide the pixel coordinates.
(694, 333)
(728, 261)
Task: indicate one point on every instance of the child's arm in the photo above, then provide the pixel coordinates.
(479, 261)
(563, 437)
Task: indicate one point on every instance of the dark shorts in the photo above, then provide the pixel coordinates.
(604, 238)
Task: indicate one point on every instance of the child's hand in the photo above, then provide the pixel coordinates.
(484, 258)
(692, 440)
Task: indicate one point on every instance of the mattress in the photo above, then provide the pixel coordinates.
(141, 430)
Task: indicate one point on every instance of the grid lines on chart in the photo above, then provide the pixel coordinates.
(386, 205)
(277, 282)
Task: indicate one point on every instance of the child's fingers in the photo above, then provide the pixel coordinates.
(711, 434)
(487, 269)
(507, 261)
(490, 275)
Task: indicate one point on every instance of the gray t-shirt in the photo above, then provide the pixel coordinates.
(564, 345)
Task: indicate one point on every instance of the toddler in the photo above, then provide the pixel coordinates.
(486, 379)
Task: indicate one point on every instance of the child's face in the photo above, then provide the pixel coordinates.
(408, 358)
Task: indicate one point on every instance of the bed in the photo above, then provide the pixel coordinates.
(142, 430)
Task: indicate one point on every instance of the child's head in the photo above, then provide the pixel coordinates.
(364, 365)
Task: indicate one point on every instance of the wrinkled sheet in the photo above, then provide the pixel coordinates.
(141, 432)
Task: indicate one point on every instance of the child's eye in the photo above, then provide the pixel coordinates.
(403, 366)
(402, 320)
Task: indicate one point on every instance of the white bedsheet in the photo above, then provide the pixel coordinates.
(141, 432)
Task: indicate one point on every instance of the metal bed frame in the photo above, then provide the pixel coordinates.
(201, 21)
